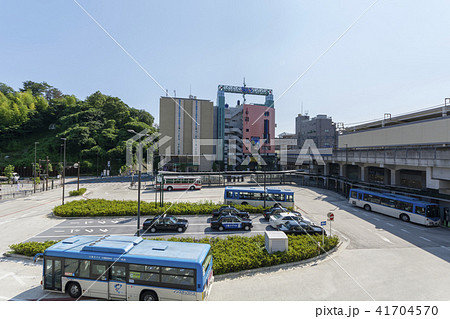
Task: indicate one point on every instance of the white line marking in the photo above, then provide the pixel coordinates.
(385, 239)
(376, 218)
(390, 224)
(446, 247)
(424, 238)
(405, 230)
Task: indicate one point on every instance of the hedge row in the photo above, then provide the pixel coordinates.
(31, 248)
(234, 253)
(103, 207)
(81, 191)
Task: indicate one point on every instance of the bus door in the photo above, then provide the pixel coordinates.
(52, 273)
(99, 274)
(117, 282)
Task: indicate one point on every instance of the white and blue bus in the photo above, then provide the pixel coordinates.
(398, 206)
(128, 268)
(254, 196)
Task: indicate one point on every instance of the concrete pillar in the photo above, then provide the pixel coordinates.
(394, 175)
(387, 176)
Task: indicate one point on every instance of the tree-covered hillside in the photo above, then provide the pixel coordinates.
(96, 128)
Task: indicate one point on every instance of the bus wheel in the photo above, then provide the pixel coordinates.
(367, 207)
(221, 228)
(170, 188)
(192, 187)
(180, 229)
(74, 290)
(404, 217)
(149, 296)
(244, 203)
(153, 230)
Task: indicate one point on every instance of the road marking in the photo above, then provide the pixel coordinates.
(385, 239)
(448, 248)
(390, 224)
(424, 238)
(404, 230)
(60, 231)
(415, 227)
(376, 218)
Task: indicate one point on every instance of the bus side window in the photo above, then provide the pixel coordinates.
(71, 267)
(85, 268)
(354, 194)
(420, 210)
(118, 273)
(98, 271)
(229, 194)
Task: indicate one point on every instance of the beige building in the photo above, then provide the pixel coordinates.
(186, 127)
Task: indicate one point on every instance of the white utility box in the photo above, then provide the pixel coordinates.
(276, 241)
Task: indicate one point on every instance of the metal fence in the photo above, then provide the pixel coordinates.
(26, 187)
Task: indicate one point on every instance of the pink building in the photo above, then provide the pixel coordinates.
(258, 128)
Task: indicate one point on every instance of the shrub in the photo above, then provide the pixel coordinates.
(31, 248)
(103, 207)
(78, 192)
(230, 254)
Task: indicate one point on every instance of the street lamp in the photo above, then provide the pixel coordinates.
(139, 178)
(34, 165)
(77, 165)
(64, 169)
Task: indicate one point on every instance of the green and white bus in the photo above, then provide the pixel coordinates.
(128, 268)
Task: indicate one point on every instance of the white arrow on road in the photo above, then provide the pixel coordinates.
(103, 230)
(89, 230)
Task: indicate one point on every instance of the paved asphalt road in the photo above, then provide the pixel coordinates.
(199, 226)
(381, 258)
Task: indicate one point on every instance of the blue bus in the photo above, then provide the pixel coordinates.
(128, 268)
(406, 208)
(255, 196)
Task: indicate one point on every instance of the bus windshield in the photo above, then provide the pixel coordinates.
(432, 211)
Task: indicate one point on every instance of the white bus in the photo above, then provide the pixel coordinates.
(128, 268)
(255, 196)
(398, 206)
(179, 182)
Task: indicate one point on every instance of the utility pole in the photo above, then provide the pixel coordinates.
(139, 177)
(34, 165)
(46, 180)
(64, 170)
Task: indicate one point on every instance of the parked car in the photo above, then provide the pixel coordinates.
(300, 228)
(282, 217)
(227, 210)
(231, 222)
(165, 223)
(275, 209)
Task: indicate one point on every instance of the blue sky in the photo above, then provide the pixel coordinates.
(395, 59)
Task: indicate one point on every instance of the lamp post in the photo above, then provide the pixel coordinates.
(64, 169)
(139, 178)
(34, 165)
(77, 165)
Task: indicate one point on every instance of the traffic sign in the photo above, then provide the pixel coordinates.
(330, 216)
(323, 223)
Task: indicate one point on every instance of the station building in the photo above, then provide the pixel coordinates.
(410, 151)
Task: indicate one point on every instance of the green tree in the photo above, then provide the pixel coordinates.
(8, 171)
